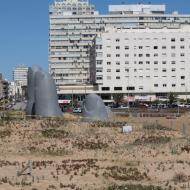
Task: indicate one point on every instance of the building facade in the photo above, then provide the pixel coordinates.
(19, 84)
(146, 61)
(4, 85)
(20, 74)
(79, 54)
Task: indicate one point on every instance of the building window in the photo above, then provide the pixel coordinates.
(140, 62)
(182, 77)
(117, 77)
(140, 47)
(99, 78)
(99, 62)
(173, 69)
(117, 47)
(172, 39)
(117, 63)
(164, 85)
(164, 70)
(182, 84)
(172, 47)
(182, 54)
(182, 39)
(173, 54)
(140, 55)
(126, 62)
(147, 55)
(130, 88)
(155, 62)
(108, 63)
(140, 87)
(163, 62)
(117, 55)
(173, 85)
(108, 55)
(108, 70)
(182, 47)
(155, 85)
(148, 62)
(117, 70)
(126, 55)
(126, 47)
(156, 55)
(163, 47)
(117, 88)
(117, 40)
(105, 88)
(99, 70)
(173, 62)
(155, 47)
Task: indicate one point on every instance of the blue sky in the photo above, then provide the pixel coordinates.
(24, 29)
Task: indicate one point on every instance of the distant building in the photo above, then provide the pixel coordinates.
(4, 87)
(20, 74)
(20, 80)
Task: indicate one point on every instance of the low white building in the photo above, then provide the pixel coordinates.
(144, 62)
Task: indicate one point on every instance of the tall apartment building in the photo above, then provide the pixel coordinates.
(78, 48)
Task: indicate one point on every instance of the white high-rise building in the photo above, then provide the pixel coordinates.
(157, 60)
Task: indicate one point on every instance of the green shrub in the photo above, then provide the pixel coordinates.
(152, 140)
(156, 126)
(5, 133)
(134, 187)
(53, 133)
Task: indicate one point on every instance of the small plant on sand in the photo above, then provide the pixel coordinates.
(180, 178)
(134, 187)
(53, 133)
(156, 126)
(125, 174)
(5, 133)
(152, 140)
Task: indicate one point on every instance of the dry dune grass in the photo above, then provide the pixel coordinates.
(70, 153)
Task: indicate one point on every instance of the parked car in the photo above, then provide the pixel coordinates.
(142, 105)
(187, 105)
(77, 110)
(123, 107)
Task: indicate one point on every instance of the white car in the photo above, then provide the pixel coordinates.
(123, 107)
(77, 110)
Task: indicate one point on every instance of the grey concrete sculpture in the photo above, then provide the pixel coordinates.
(94, 108)
(42, 96)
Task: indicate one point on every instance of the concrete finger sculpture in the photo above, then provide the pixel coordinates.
(94, 108)
(42, 95)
